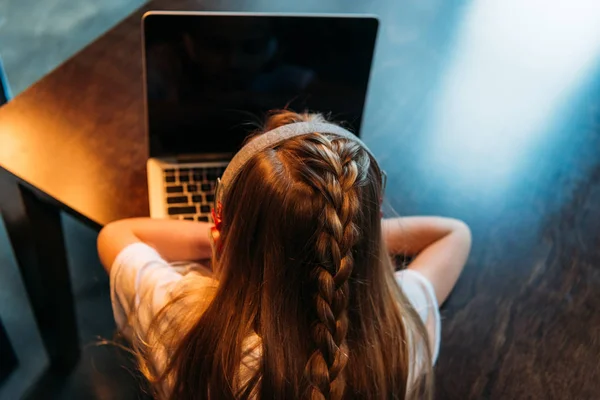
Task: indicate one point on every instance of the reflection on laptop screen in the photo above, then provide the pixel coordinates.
(211, 79)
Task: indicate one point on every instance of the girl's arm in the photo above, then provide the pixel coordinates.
(440, 245)
(173, 240)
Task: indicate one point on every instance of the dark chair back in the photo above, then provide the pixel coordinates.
(4, 91)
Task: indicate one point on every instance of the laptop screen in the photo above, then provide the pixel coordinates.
(212, 79)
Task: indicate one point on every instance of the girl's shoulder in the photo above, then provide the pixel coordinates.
(421, 295)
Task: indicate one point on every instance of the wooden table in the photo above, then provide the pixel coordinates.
(523, 321)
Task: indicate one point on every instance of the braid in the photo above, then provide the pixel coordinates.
(332, 169)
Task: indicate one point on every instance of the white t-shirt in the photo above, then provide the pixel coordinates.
(142, 283)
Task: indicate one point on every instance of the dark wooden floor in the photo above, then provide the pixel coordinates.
(492, 115)
(523, 322)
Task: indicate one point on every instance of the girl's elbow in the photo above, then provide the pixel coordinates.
(465, 229)
(462, 232)
(111, 240)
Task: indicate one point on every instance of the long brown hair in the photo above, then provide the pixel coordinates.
(303, 269)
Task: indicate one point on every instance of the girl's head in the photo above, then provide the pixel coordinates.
(301, 264)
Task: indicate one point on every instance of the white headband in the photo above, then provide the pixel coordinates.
(271, 139)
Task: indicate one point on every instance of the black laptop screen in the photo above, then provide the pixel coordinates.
(211, 79)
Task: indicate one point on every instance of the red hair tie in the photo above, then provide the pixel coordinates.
(216, 214)
(215, 231)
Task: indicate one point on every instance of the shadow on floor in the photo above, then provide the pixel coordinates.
(104, 371)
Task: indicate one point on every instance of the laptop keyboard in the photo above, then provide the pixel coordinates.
(190, 192)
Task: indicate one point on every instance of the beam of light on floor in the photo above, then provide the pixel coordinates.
(515, 64)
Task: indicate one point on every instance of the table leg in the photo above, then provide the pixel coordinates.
(8, 358)
(35, 231)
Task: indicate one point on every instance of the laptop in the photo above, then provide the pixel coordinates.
(210, 79)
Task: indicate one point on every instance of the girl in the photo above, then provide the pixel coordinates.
(302, 300)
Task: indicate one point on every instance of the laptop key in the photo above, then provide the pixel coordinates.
(184, 178)
(188, 218)
(212, 174)
(206, 187)
(174, 189)
(181, 210)
(202, 218)
(170, 178)
(204, 208)
(197, 198)
(177, 200)
(192, 188)
(210, 198)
